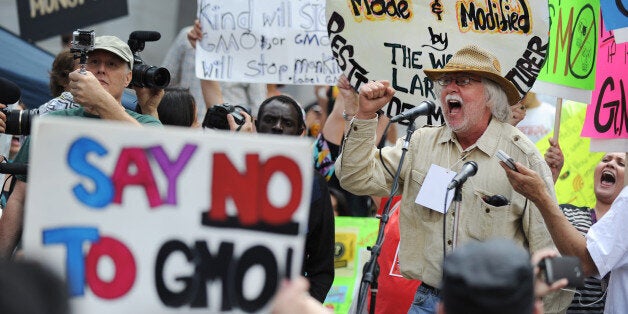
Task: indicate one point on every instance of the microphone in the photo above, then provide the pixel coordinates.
(9, 92)
(13, 168)
(469, 169)
(145, 35)
(424, 108)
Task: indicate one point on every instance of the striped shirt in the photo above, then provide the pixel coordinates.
(591, 297)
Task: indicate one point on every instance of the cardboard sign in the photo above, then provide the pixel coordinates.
(570, 66)
(575, 183)
(41, 19)
(265, 41)
(607, 114)
(146, 220)
(353, 235)
(396, 40)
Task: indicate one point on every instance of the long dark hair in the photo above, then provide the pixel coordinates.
(177, 107)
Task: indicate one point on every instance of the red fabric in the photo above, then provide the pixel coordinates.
(395, 293)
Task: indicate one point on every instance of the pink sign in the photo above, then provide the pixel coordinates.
(607, 115)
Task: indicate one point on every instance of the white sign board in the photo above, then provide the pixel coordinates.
(149, 220)
(396, 40)
(265, 41)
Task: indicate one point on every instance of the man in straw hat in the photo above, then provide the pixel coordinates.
(475, 100)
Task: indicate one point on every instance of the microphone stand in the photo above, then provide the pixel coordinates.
(457, 200)
(370, 271)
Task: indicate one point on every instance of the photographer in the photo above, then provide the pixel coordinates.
(99, 92)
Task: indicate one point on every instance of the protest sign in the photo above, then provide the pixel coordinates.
(615, 13)
(575, 182)
(266, 41)
(41, 19)
(162, 221)
(621, 35)
(570, 68)
(353, 235)
(396, 40)
(606, 116)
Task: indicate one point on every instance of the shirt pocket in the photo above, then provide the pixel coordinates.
(424, 213)
(484, 221)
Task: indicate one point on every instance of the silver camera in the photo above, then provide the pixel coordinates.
(82, 43)
(82, 40)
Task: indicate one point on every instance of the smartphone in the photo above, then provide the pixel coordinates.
(556, 268)
(506, 159)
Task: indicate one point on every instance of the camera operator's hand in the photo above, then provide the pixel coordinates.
(541, 288)
(195, 33)
(3, 119)
(148, 99)
(88, 91)
(248, 125)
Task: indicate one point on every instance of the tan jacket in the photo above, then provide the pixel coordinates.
(360, 171)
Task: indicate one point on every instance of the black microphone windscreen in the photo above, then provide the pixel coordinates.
(424, 108)
(145, 35)
(9, 92)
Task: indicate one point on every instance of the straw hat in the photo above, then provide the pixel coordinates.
(472, 59)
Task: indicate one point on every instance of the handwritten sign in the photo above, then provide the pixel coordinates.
(268, 41)
(162, 221)
(396, 40)
(572, 50)
(607, 115)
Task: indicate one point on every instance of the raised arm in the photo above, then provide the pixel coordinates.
(554, 158)
(565, 236)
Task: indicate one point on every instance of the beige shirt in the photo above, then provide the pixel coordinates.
(360, 171)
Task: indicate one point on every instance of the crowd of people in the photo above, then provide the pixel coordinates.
(481, 265)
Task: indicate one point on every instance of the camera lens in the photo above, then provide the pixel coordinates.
(18, 122)
(150, 76)
(157, 77)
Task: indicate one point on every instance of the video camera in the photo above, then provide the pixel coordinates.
(216, 117)
(82, 43)
(146, 75)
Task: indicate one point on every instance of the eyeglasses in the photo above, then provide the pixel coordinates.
(460, 80)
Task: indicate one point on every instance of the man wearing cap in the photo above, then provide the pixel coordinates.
(99, 92)
(475, 99)
(496, 276)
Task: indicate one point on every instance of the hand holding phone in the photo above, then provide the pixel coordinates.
(506, 159)
(556, 268)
